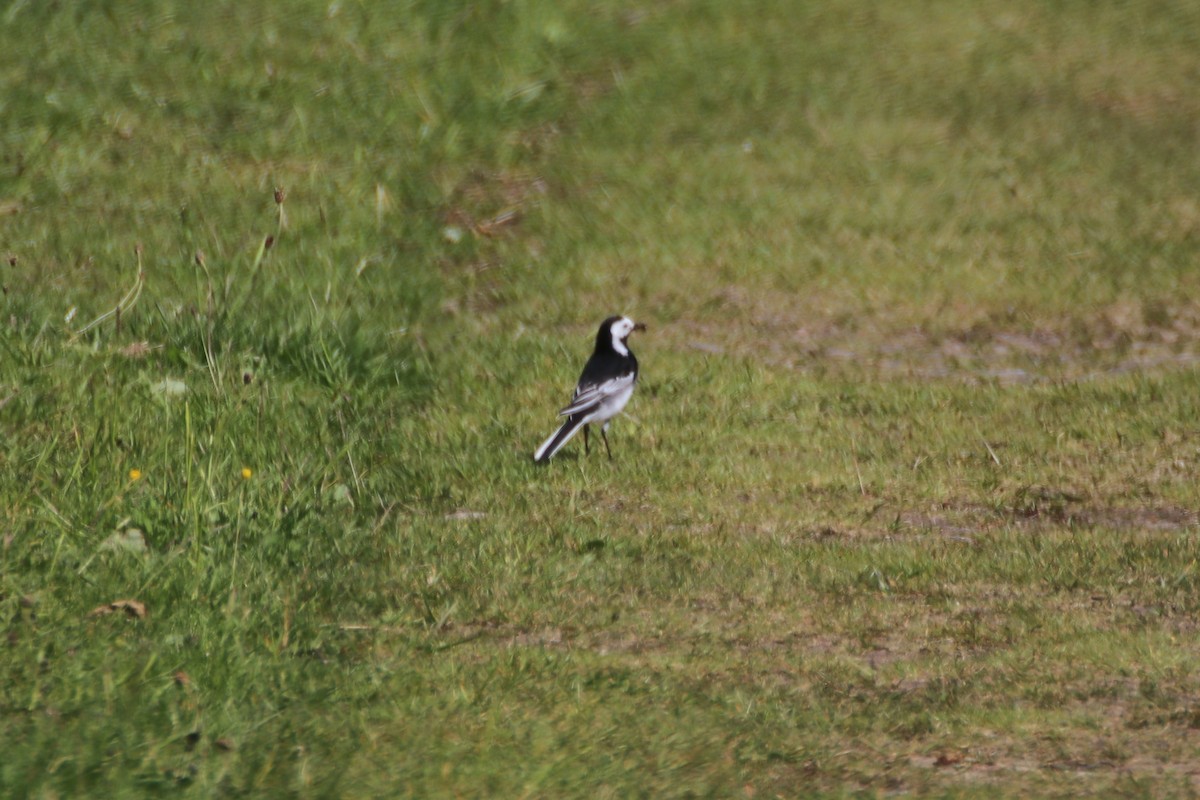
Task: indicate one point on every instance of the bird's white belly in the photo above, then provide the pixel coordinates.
(612, 405)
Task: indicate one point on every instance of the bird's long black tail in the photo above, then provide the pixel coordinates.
(559, 438)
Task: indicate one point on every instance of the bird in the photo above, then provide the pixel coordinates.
(604, 387)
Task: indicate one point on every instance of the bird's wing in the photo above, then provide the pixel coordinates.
(591, 395)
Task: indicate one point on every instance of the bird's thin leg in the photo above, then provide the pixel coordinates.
(587, 448)
(604, 436)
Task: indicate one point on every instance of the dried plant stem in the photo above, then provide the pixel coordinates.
(127, 302)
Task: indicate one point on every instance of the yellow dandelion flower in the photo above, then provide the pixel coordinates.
(247, 473)
(135, 474)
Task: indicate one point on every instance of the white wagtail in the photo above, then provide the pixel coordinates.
(603, 389)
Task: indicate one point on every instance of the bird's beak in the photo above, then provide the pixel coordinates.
(639, 326)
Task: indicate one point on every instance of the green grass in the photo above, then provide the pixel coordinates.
(905, 503)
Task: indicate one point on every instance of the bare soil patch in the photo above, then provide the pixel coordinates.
(1004, 348)
(1040, 508)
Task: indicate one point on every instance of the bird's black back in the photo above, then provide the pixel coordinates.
(604, 366)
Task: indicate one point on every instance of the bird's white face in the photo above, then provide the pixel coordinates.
(620, 332)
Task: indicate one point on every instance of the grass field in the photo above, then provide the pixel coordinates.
(905, 503)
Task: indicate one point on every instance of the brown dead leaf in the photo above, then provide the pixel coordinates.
(136, 349)
(132, 608)
(492, 227)
(464, 513)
